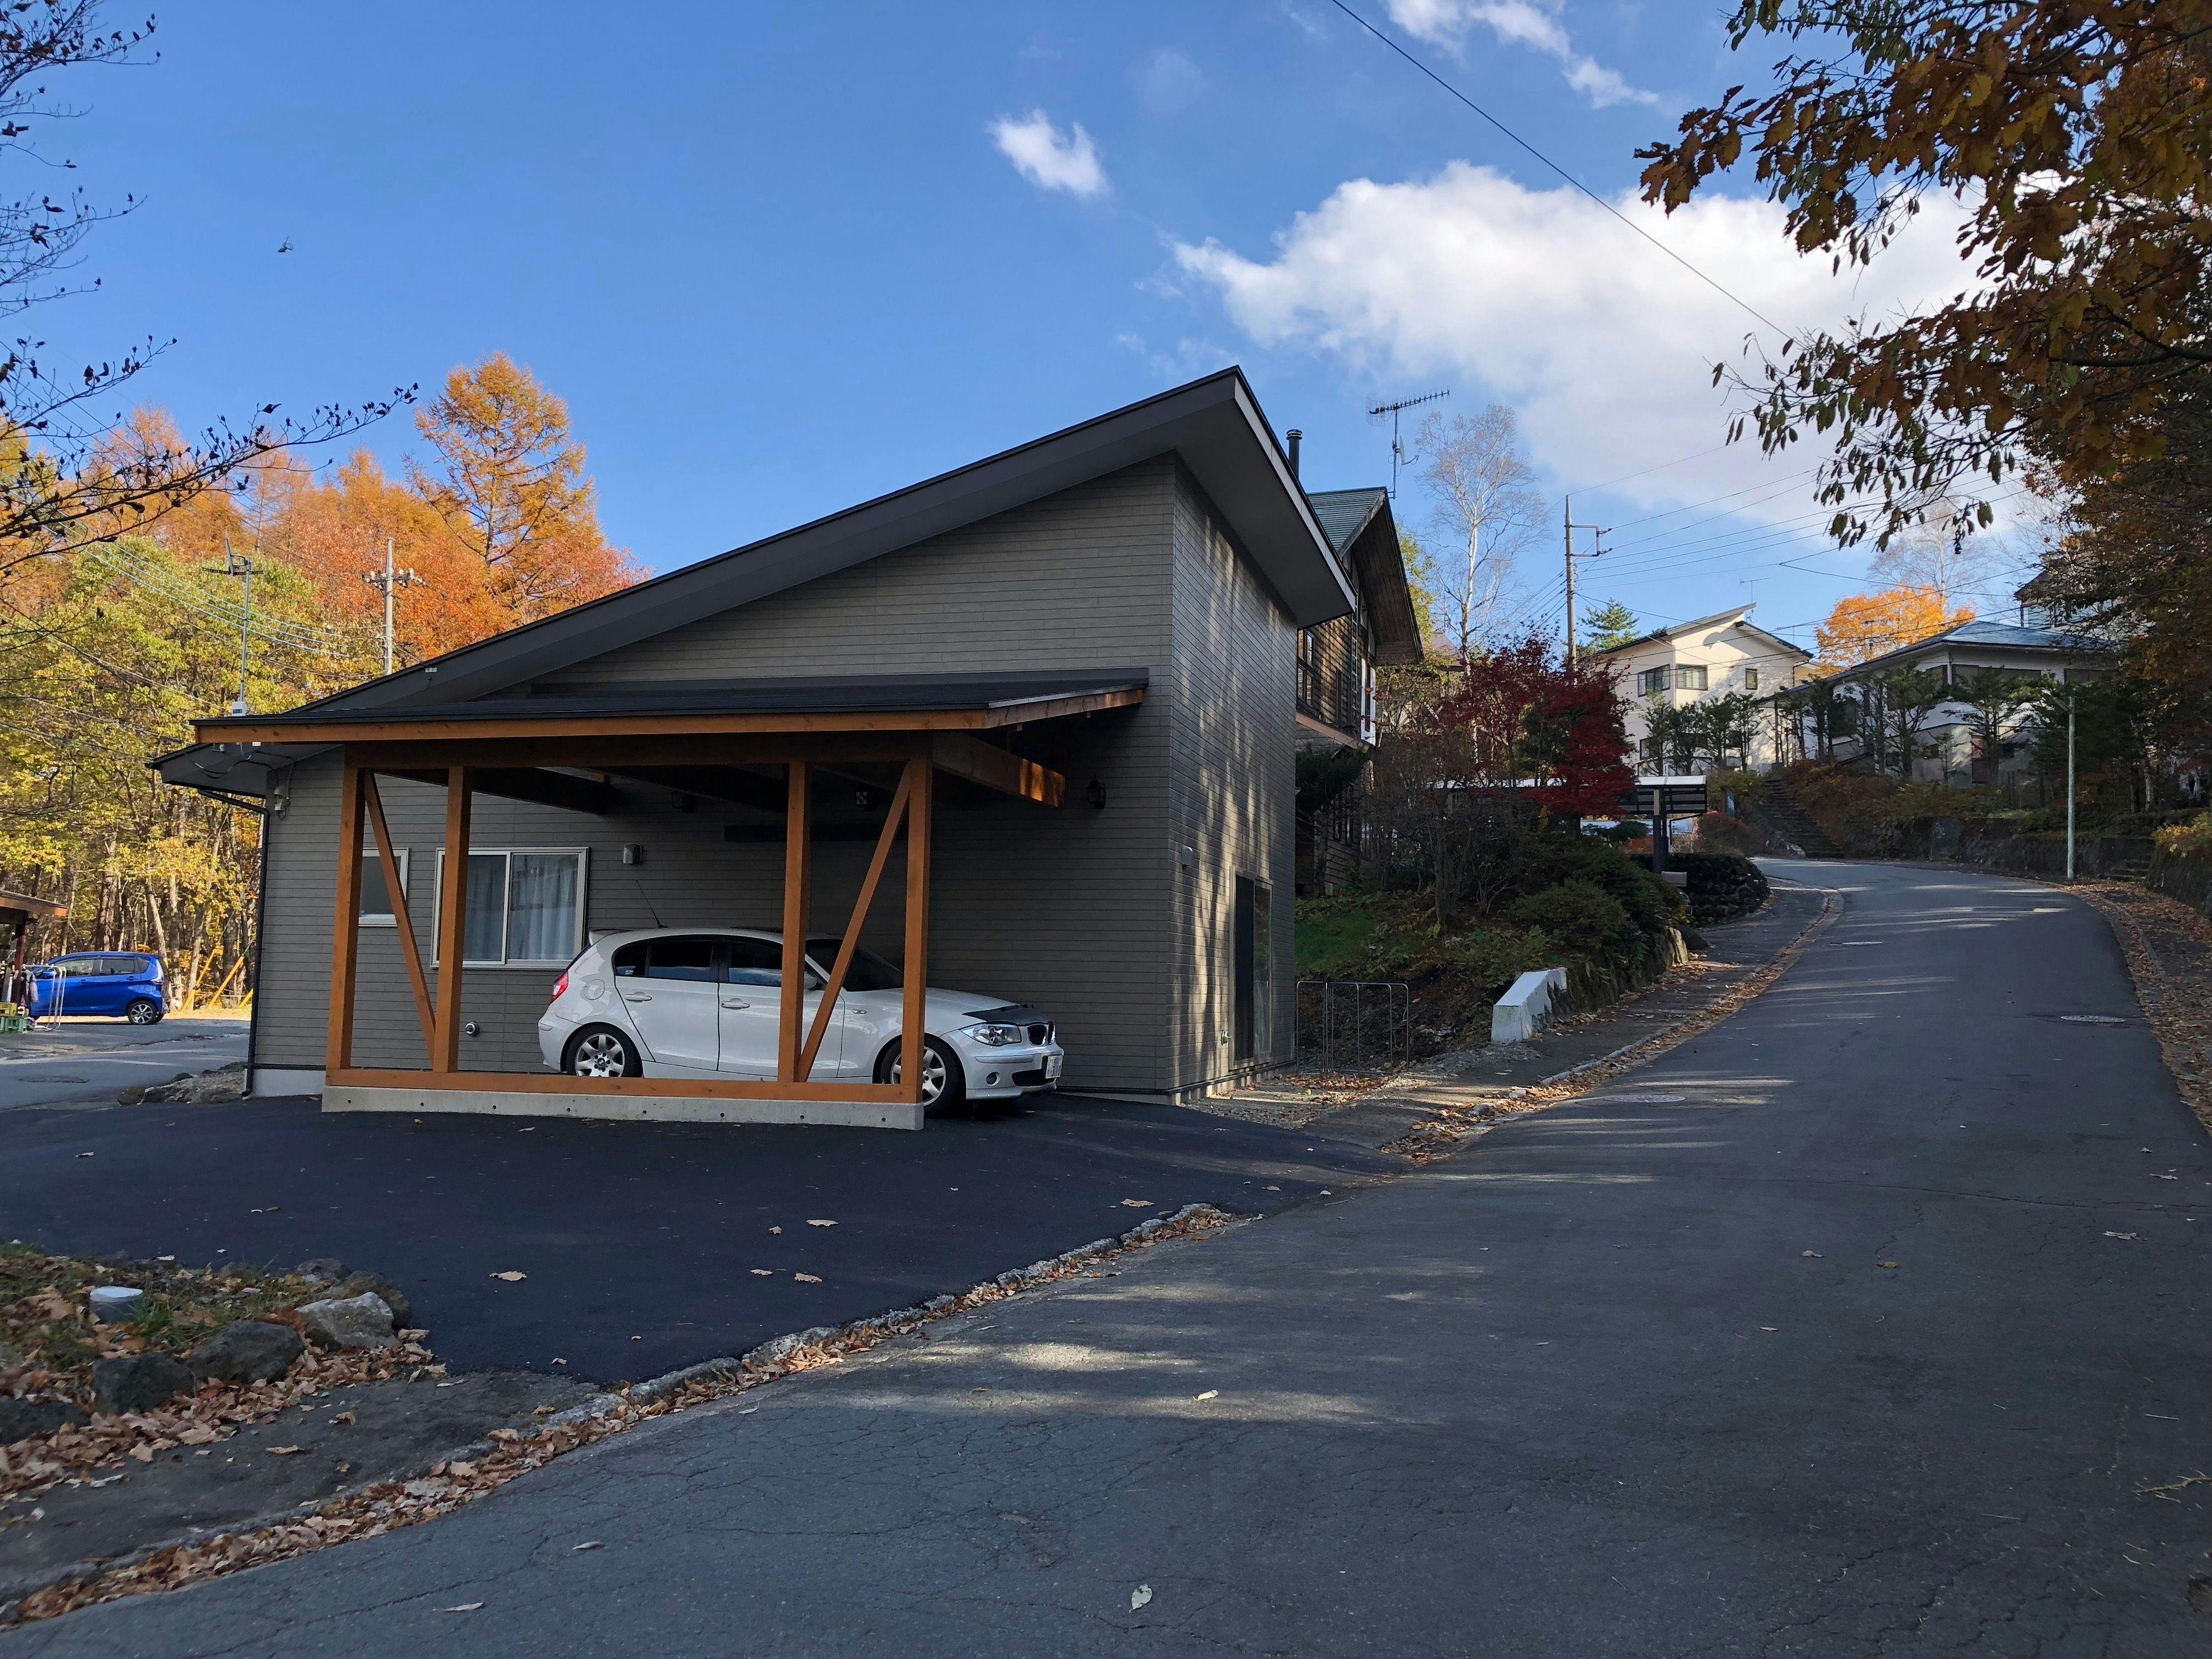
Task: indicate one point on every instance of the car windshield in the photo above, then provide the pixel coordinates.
(868, 971)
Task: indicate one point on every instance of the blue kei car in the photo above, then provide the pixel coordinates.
(124, 983)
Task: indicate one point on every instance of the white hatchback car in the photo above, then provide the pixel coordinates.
(704, 1003)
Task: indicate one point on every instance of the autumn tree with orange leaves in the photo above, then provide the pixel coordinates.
(1864, 626)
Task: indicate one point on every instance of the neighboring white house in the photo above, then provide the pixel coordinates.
(1947, 739)
(1712, 656)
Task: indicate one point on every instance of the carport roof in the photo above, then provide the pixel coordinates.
(986, 700)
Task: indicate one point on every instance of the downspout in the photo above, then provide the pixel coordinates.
(260, 933)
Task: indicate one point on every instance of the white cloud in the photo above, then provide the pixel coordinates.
(1542, 300)
(1049, 159)
(1531, 23)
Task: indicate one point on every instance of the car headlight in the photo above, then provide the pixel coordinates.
(995, 1037)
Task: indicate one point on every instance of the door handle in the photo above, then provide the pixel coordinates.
(637, 996)
(737, 1004)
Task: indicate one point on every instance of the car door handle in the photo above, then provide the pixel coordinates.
(637, 996)
(737, 1004)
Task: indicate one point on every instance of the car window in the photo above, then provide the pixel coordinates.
(630, 960)
(82, 967)
(756, 961)
(866, 972)
(132, 965)
(691, 957)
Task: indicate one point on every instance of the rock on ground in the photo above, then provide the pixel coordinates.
(140, 1382)
(360, 1283)
(22, 1418)
(246, 1351)
(353, 1321)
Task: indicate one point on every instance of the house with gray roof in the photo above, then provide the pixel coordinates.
(1950, 750)
(1027, 725)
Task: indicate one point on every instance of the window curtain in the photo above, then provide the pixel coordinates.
(541, 907)
(483, 935)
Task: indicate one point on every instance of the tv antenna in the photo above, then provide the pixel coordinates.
(1397, 444)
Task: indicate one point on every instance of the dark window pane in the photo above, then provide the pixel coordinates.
(755, 962)
(868, 971)
(483, 938)
(689, 958)
(630, 960)
(375, 896)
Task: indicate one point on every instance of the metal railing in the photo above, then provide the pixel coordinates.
(1355, 1024)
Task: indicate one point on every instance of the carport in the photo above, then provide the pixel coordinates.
(745, 743)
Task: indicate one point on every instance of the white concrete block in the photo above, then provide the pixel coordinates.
(1525, 1007)
(625, 1109)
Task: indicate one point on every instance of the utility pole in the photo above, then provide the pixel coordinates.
(1569, 527)
(237, 564)
(2070, 782)
(391, 581)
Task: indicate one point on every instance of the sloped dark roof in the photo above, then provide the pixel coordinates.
(1364, 535)
(903, 692)
(1213, 425)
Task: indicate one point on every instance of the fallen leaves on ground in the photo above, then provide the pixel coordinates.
(763, 1273)
(1211, 1393)
(286, 1451)
(806, 1279)
(511, 1276)
(1140, 1597)
(217, 1411)
(385, 1506)
(1136, 1203)
(811, 1222)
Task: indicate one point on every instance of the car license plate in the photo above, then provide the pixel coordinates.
(1052, 1067)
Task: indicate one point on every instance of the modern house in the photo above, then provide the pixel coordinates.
(1337, 661)
(1713, 656)
(1050, 698)
(1950, 753)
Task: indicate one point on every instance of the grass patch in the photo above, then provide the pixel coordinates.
(48, 1340)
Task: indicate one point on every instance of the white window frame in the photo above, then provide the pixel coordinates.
(385, 918)
(583, 857)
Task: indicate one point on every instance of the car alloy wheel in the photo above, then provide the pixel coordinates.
(600, 1053)
(933, 1073)
(143, 1012)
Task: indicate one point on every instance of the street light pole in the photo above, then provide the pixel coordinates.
(235, 564)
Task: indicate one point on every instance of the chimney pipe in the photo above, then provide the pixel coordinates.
(1294, 434)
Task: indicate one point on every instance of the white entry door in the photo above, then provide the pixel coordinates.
(669, 989)
(752, 1004)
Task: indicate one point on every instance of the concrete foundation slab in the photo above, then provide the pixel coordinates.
(657, 1108)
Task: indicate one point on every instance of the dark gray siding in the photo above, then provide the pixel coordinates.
(1067, 907)
(1234, 667)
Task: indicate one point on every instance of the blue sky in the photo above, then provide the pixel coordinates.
(776, 260)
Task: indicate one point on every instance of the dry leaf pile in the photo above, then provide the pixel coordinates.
(2168, 946)
(215, 1413)
(1454, 1125)
(391, 1505)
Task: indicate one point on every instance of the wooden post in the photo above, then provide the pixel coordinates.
(919, 794)
(452, 918)
(374, 800)
(796, 874)
(852, 940)
(345, 929)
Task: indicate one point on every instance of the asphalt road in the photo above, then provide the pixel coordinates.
(69, 1060)
(638, 1242)
(1865, 1324)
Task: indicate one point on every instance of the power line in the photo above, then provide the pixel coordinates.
(1709, 282)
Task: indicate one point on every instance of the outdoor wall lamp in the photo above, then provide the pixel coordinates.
(1095, 792)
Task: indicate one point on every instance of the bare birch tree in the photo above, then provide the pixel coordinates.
(1486, 508)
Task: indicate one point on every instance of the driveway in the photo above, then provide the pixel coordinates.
(70, 1059)
(1868, 1323)
(638, 1242)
